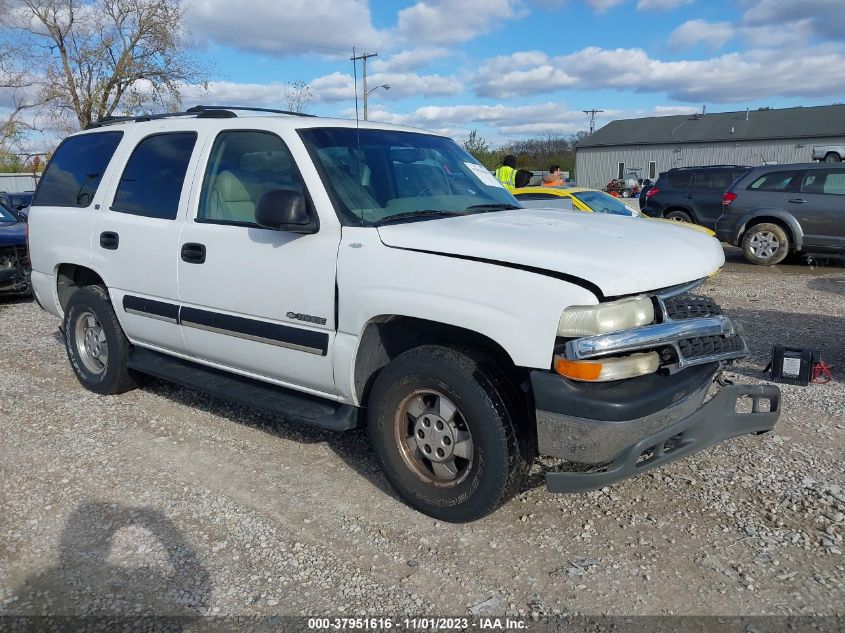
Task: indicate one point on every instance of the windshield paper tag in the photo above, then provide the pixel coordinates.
(483, 175)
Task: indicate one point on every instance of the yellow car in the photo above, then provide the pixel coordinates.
(592, 201)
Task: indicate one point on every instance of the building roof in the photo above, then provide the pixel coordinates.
(745, 125)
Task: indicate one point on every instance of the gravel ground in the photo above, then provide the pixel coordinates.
(165, 501)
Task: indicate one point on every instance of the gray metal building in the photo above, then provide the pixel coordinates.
(750, 137)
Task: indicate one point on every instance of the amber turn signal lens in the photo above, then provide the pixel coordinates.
(577, 369)
(608, 368)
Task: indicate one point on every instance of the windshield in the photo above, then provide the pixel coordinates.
(392, 175)
(5, 216)
(601, 202)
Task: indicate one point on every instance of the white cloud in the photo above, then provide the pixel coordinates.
(603, 6)
(292, 27)
(333, 87)
(661, 5)
(714, 35)
(453, 21)
(827, 16)
(734, 77)
(342, 86)
(409, 59)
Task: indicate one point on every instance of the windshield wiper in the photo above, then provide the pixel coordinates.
(423, 213)
(497, 206)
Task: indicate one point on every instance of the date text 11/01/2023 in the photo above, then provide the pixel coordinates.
(417, 624)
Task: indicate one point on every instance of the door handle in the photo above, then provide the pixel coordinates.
(109, 240)
(797, 200)
(193, 253)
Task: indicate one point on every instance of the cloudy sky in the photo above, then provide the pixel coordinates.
(516, 68)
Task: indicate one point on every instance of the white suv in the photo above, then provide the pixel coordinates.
(341, 274)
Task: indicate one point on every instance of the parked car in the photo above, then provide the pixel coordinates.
(339, 274)
(775, 211)
(590, 200)
(691, 194)
(14, 260)
(16, 201)
(829, 153)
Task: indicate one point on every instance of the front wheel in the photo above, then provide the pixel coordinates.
(96, 345)
(626, 193)
(765, 244)
(449, 432)
(832, 157)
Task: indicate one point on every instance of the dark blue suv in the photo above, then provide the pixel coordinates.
(691, 194)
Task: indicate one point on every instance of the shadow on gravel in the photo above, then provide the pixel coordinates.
(766, 328)
(833, 285)
(85, 590)
(11, 300)
(352, 447)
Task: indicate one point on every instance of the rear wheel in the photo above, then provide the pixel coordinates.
(765, 244)
(96, 345)
(832, 157)
(678, 216)
(626, 193)
(449, 432)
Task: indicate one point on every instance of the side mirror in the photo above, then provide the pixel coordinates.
(285, 210)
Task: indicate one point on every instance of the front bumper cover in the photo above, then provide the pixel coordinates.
(717, 420)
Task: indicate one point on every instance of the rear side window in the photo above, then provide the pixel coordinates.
(74, 173)
(675, 180)
(151, 184)
(773, 181)
(711, 180)
(826, 181)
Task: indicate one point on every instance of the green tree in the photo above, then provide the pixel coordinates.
(479, 148)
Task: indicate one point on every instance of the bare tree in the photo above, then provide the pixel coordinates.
(298, 96)
(103, 57)
(18, 88)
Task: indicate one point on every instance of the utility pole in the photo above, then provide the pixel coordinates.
(364, 57)
(592, 114)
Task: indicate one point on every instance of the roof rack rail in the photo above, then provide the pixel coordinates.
(215, 108)
(199, 111)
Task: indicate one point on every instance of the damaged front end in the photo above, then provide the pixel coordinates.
(621, 428)
(15, 269)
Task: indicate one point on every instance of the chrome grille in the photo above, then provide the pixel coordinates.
(687, 306)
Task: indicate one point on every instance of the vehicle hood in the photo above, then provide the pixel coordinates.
(619, 255)
(12, 233)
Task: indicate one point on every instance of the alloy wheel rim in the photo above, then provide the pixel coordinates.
(764, 244)
(91, 342)
(433, 438)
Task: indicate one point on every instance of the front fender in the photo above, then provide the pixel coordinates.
(780, 214)
(517, 309)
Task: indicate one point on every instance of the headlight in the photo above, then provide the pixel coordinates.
(605, 317)
(604, 369)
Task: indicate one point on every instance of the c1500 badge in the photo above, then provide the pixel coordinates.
(306, 317)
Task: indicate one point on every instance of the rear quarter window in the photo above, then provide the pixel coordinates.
(76, 169)
(673, 181)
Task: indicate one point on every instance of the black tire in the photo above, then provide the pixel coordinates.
(626, 193)
(114, 376)
(765, 244)
(678, 216)
(832, 157)
(488, 408)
